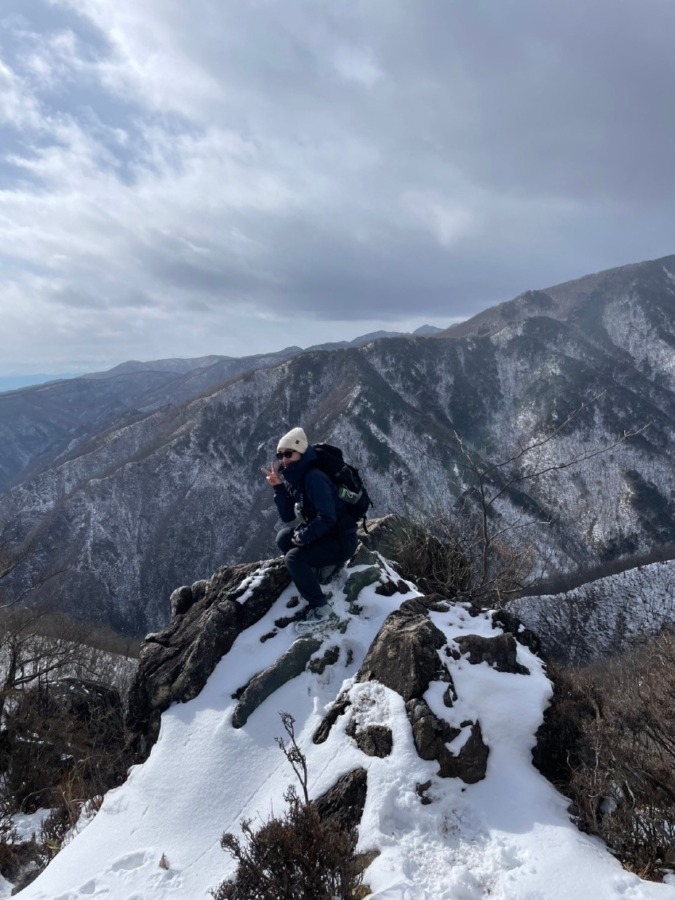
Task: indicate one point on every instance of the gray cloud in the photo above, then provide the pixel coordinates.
(235, 167)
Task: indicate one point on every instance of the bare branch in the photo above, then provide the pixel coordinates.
(293, 753)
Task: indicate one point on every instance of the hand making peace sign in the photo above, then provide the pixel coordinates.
(272, 474)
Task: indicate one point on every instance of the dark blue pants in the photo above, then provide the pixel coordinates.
(302, 562)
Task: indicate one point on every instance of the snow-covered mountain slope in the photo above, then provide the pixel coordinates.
(160, 497)
(602, 617)
(41, 424)
(507, 836)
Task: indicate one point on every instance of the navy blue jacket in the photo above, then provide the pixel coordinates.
(321, 507)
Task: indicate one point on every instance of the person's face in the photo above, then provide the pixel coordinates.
(288, 457)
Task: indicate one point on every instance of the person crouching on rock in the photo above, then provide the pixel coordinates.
(326, 535)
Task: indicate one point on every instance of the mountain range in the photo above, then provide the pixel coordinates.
(118, 486)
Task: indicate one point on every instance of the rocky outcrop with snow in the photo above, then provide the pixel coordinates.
(417, 716)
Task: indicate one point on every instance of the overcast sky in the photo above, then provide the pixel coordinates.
(234, 176)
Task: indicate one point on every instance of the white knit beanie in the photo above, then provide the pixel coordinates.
(296, 439)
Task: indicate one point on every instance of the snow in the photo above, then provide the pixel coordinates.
(604, 616)
(507, 838)
(27, 825)
(629, 327)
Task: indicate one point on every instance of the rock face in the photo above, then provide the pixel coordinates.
(263, 685)
(432, 736)
(403, 655)
(373, 740)
(499, 652)
(206, 619)
(343, 803)
(405, 658)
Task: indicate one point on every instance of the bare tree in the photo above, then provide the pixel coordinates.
(38, 646)
(490, 556)
(608, 742)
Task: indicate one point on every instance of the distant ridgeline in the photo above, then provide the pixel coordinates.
(119, 486)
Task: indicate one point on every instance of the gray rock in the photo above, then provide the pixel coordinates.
(364, 557)
(500, 652)
(329, 658)
(421, 789)
(431, 734)
(181, 600)
(339, 708)
(511, 623)
(373, 740)
(470, 764)
(403, 655)
(263, 685)
(450, 695)
(388, 587)
(381, 535)
(357, 581)
(343, 804)
(175, 663)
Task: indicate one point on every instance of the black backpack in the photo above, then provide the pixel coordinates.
(350, 487)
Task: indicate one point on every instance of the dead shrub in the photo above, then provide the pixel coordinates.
(430, 555)
(298, 856)
(60, 736)
(462, 554)
(613, 725)
(562, 741)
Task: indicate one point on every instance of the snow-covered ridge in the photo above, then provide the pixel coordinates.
(605, 616)
(507, 836)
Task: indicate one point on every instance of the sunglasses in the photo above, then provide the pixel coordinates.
(285, 454)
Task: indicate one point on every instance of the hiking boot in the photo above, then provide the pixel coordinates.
(317, 618)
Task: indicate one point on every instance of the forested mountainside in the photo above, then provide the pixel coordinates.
(583, 371)
(41, 426)
(604, 616)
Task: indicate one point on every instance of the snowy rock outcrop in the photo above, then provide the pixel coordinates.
(206, 619)
(405, 658)
(416, 715)
(408, 653)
